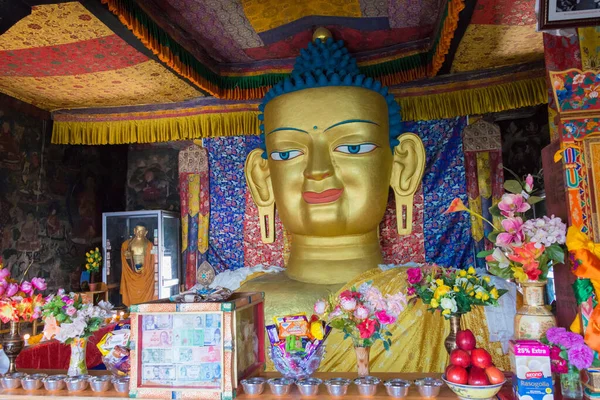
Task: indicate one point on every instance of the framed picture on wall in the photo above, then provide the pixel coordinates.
(557, 14)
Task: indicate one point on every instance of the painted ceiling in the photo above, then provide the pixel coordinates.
(97, 53)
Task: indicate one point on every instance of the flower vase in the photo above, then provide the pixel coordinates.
(362, 359)
(450, 342)
(12, 344)
(533, 319)
(77, 365)
(570, 385)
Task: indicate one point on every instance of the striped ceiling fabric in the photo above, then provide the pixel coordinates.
(63, 56)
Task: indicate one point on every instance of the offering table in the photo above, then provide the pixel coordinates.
(413, 394)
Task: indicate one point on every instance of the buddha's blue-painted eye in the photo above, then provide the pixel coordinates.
(285, 155)
(356, 148)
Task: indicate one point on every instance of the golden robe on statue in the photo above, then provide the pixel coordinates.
(137, 287)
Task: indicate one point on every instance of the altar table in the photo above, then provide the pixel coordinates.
(413, 394)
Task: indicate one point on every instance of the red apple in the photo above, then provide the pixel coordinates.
(477, 377)
(465, 340)
(481, 358)
(494, 375)
(460, 358)
(456, 374)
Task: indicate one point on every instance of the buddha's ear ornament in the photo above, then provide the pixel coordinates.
(407, 171)
(258, 179)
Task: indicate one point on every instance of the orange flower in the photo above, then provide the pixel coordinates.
(457, 205)
(7, 312)
(527, 255)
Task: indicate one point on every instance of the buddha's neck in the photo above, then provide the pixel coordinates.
(329, 260)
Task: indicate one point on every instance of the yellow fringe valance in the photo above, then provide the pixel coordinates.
(481, 100)
(155, 130)
(154, 127)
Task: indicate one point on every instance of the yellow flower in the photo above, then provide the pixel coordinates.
(90, 260)
(439, 282)
(434, 303)
(441, 291)
(87, 254)
(485, 297)
(494, 293)
(97, 249)
(487, 279)
(462, 272)
(478, 295)
(471, 271)
(446, 312)
(472, 294)
(519, 274)
(456, 289)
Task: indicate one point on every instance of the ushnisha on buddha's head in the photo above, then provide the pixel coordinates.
(331, 149)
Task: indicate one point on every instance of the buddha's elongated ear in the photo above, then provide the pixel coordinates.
(258, 179)
(407, 172)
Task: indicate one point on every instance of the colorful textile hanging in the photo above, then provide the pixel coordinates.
(195, 209)
(485, 177)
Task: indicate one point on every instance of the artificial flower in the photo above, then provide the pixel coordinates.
(512, 203)
(581, 356)
(449, 304)
(348, 303)
(513, 232)
(367, 328)
(529, 183)
(471, 271)
(26, 287)
(441, 291)
(396, 304)
(336, 312)
(570, 339)
(527, 255)
(11, 290)
(555, 353)
(561, 367)
(499, 257)
(456, 206)
(4, 273)
(374, 299)
(320, 307)
(519, 274)
(39, 283)
(414, 275)
(384, 318)
(361, 312)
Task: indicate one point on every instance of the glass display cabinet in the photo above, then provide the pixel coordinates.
(164, 233)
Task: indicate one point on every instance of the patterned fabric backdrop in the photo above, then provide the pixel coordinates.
(234, 236)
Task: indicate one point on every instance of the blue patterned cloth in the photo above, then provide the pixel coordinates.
(448, 240)
(227, 199)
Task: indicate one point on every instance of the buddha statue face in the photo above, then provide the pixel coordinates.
(140, 232)
(329, 167)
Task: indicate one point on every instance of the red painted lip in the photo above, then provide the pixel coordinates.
(326, 196)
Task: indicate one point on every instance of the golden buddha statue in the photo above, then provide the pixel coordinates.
(332, 146)
(137, 271)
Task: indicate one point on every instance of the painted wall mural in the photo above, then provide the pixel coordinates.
(52, 198)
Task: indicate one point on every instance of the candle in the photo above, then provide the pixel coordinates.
(121, 314)
(26, 338)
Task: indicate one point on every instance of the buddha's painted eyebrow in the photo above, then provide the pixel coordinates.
(351, 121)
(286, 128)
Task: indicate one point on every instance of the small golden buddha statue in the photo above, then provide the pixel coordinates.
(137, 272)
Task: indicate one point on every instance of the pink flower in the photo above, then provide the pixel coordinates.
(555, 353)
(396, 304)
(70, 302)
(375, 300)
(361, 312)
(348, 303)
(414, 275)
(581, 356)
(411, 291)
(71, 311)
(384, 318)
(4, 273)
(60, 292)
(560, 367)
(513, 234)
(570, 339)
(554, 334)
(529, 183)
(26, 287)
(337, 312)
(12, 289)
(320, 307)
(367, 328)
(512, 203)
(39, 283)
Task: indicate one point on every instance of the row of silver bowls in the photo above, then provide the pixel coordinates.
(367, 386)
(59, 382)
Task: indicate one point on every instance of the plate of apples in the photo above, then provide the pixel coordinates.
(471, 373)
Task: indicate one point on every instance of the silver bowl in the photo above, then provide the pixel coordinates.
(75, 384)
(32, 382)
(337, 386)
(254, 386)
(12, 381)
(367, 385)
(121, 384)
(54, 382)
(100, 383)
(309, 386)
(429, 387)
(280, 386)
(397, 388)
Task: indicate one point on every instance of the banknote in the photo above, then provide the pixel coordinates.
(212, 336)
(212, 321)
(188, 321)
(157, 356)
(189, 372)
(158, 374)
(183, 337)
(210, 354)
(157, 338)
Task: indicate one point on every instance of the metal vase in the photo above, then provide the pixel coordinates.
(12, 343)
(450, 342)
